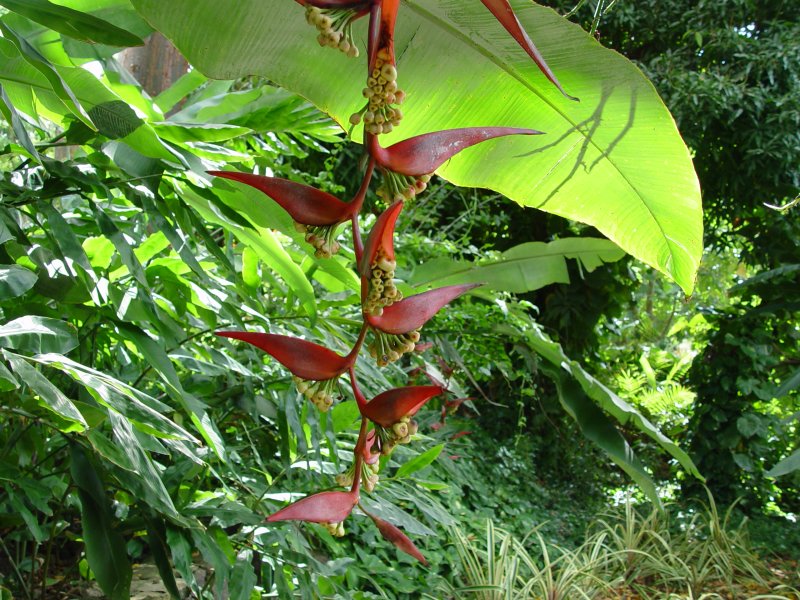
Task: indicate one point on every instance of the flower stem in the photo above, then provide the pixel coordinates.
(361, 400)
(358, 451)
(358, 201)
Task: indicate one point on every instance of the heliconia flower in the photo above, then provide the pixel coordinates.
(503, 12)
(413, 312)
(389, 407)
(316, 213)
(304, 359)
(315, 367)
(393, 534)
(423, 154)
(380, 243)
(324, 507)
(334, 22)
(378, 264)
(381, 91)
(396, 329)
(305, 204)
(369, 457)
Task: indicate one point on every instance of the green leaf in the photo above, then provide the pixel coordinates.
(5, 232)
(199, 132)
(598, 428)
(78, 25)
(15, 281)
(185, 85)
(85, 87)
(105, 547)
(750, 425)
(140, 463)
(144, 411)
(157, 543)
(614, 160)
(213, 548)
(419, 462)
(48, 71)
(344, 414)
(181, 551)
(158, 359)
(115, 119)
(243, 580)
(523, 268)
(7, 380)
(789, 384)
(603, 397)
(787, 465)
(386, 509)
(28, 517)
(264, 243)
(49, 395)
(11, 115)
(38, 335)
(64, 237)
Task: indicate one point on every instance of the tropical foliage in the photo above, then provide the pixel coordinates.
(135, 225)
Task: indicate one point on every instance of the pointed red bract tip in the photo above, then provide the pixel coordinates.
(305, 359)
(305, 204)
(503, 12)
(370, 458)
(381, 237)
(389, 407)
(413, 312)
(325, 507)
(394, 535)
(423, 154)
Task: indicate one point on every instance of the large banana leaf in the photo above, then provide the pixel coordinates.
(522, 268)
(614, 160)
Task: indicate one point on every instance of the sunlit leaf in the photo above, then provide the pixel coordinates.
(614, 160)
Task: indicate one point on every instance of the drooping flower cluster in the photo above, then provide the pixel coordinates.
(382, 92)
(335, 28)
(395, 322)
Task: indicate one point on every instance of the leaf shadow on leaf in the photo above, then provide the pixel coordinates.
(587, 129)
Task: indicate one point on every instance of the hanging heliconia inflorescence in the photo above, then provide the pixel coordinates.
(393, 322)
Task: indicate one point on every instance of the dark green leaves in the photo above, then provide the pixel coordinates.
(38, 335)
(419, 462)
(105, 547)
(15, 281)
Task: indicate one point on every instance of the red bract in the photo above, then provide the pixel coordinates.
(393, 534)
(370, 458)
(381, 238)
(413, 312)
(306, 360)
(389, 407)
(305, 204)
(503, 12)
(325, 507)
(423, 154)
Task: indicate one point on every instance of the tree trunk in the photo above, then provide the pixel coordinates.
(156, 65)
